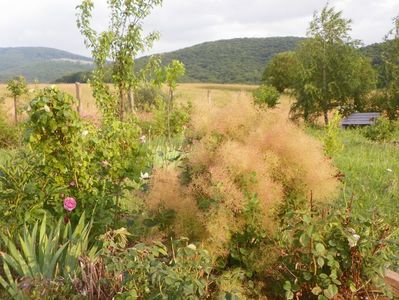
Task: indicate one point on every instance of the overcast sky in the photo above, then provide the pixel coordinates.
(182, 23)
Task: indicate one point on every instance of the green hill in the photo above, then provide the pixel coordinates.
(239, 60)
(230, 61)
(39, 63)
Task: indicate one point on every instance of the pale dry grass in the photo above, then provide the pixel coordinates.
(195, 93)
(89, 109)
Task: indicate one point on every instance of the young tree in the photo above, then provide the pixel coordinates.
(391, 71)
(17, 87)
(119, 45)
(330, 64)
(170, 74)
(362, 81)
(281, 72)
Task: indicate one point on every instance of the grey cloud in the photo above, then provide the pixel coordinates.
(186, 22)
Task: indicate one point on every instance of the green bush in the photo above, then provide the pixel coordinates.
(24, 192)
(149, 271)
(146, 97)
(331, 138)
(336, 253)
(164, 121)
(67, 158)
(382, 131)
(266, 95)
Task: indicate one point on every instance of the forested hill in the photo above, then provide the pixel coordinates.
(39, 63)
(240, 60)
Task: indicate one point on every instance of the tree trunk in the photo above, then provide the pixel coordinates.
(325, 84)
(130, 97)
(170, 105)
(15, 111)
(326, 117)
(77, 84)
(306, 114)
(121, 104)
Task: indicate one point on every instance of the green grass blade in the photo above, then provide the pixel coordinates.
(53, 263)
(20, 263)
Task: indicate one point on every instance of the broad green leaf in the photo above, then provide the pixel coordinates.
(331, 291)
(320, 249)
(316, 290)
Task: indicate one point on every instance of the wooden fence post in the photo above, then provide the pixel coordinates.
(209, 97)
(77, 85)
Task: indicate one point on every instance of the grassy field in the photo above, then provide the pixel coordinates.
(189, 92)
(88, 104)
(371, 173)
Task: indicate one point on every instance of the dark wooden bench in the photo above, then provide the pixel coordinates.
(360, 119)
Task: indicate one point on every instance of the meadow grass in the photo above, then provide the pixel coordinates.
(219, 93)
(370, 175)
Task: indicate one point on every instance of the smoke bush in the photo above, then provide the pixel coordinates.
(245, 167)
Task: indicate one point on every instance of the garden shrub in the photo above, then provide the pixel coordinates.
(231, 284)
(70, 158)
(266, 95)
(24, 200)
(329, 254)
(382, 131)
(147, 271)
(178, 119)
(332, 142)
(238, 176)
(146, 96)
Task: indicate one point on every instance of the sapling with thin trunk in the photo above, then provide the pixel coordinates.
(17, 87)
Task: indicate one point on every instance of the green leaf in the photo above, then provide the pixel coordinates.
(320, 262)
(304, 239)
(316, 290)
(331, 291)
(320, 249)
(289, 295)
(287, 286)
(307, 276)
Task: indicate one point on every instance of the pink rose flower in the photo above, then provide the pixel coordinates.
(69, 204)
